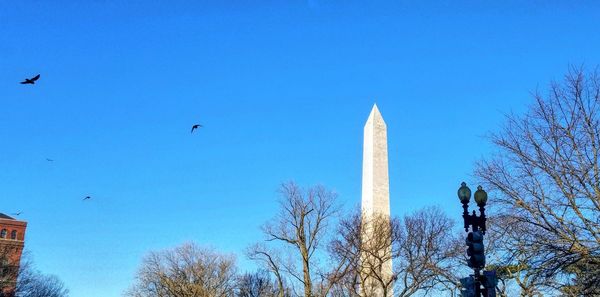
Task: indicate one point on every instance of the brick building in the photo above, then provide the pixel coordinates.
(12, 241)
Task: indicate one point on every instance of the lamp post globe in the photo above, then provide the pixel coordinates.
(464, 193)
(480, 196)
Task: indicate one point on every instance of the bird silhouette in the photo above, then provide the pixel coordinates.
(30, 81)
(17, 213)
(49, 160)
(194, 127)
(86, 198)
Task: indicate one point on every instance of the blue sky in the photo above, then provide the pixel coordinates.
(283, 89)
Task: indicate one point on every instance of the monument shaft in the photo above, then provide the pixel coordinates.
(376, 206)
(375, 185)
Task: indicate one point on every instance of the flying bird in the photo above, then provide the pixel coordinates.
(86, 198)
(194, 127)
(17, 213)
(49, 160)
(30, 81)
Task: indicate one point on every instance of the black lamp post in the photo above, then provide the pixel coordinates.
(475, 251)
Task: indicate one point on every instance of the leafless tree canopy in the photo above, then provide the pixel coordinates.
(186, 271)
(299, 228)
(546, 177)
(30, 282)
(35, 284)
(425, 254)
(257, 284)
(430, 253)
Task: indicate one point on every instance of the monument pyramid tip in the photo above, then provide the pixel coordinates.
(375, 113)
(375, 106)
(374, 117)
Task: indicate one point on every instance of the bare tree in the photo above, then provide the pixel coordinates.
(300, 226)
(429, 252)
(546, 177)
(185, 271)
(422, 247)
(257, 284)
(23, 279)
(36, 284)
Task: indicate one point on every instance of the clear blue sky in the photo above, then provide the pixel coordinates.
(283, 89)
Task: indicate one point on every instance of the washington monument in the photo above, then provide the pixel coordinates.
(376, 205)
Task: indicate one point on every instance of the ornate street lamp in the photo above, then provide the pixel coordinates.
(475, 250)
(477, 222)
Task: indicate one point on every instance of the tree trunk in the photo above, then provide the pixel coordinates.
(305, 266)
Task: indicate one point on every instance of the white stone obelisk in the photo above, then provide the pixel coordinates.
(375, 186)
